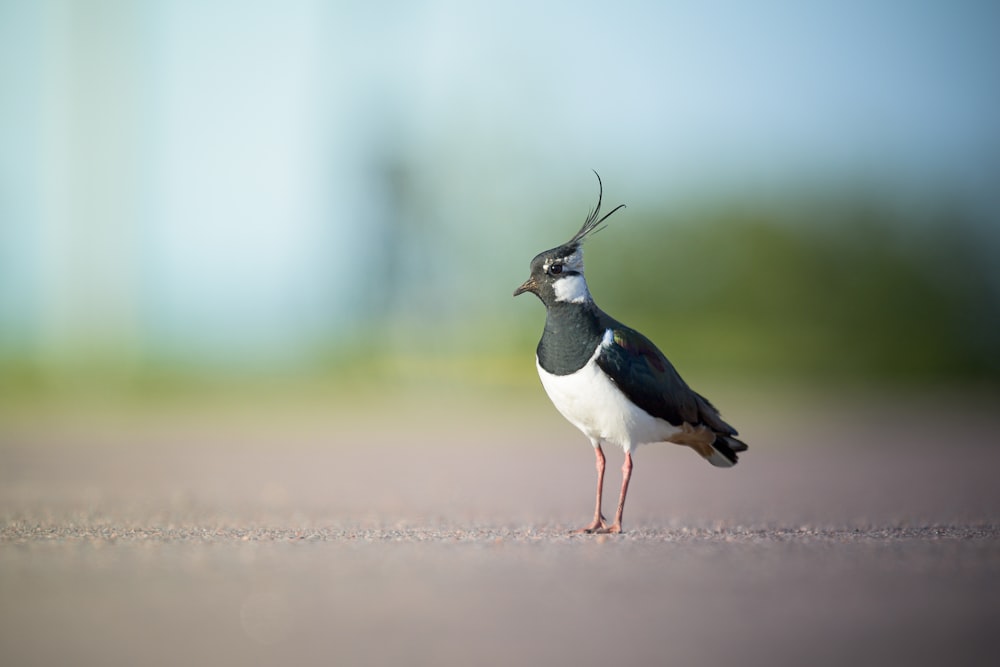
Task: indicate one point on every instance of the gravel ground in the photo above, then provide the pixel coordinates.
(871, 544)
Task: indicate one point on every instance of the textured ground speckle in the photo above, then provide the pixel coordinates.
(866, 546)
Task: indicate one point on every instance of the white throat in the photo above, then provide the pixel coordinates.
(572, 289)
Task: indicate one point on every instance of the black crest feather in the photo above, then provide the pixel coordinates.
(592, 224)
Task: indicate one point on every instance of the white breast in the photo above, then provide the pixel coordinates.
(592, 403)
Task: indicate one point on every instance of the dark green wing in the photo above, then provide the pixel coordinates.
(648, 379)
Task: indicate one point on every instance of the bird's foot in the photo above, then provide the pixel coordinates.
(613, 529)
(597, 526)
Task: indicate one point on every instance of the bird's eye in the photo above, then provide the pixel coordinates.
(555, 269)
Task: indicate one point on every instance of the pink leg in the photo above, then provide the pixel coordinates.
(598, 522)
(616, 527)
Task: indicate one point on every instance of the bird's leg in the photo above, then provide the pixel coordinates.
(616, 527)
(598, 522)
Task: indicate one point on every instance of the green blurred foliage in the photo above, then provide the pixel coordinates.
(856, 292)
(822, 294)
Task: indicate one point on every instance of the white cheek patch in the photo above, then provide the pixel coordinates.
(572, 288)
(575, 261)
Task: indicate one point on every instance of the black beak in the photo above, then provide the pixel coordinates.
(528, 285)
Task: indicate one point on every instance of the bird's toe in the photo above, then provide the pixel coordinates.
(595, 527)
(613, 529)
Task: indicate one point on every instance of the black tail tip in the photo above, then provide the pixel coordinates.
(728, 446)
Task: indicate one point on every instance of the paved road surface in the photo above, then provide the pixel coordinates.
(872, 540)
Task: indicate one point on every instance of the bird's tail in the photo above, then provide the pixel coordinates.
(724, 449)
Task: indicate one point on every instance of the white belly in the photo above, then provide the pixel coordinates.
(592, 403)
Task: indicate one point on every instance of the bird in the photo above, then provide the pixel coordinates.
(609, 380)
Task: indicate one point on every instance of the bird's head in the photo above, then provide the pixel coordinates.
(557, 274)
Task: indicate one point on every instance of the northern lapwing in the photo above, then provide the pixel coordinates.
(609, 380)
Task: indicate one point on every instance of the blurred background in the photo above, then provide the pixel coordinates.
(334, 200)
